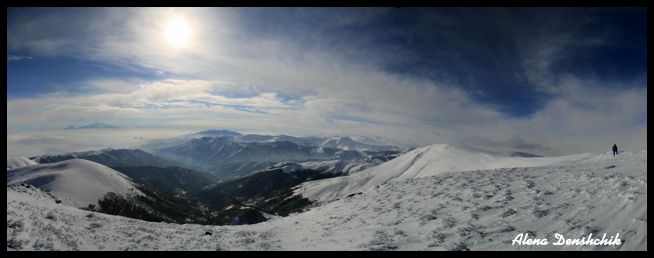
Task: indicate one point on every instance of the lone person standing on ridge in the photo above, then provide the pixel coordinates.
(615, 149)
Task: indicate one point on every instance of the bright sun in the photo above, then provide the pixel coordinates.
(178, 33)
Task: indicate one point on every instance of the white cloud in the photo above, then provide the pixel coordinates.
(33, 143)
(338, 95)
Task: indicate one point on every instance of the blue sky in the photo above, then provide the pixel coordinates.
(413, 74)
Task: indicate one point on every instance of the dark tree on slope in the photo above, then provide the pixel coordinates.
(172, 180)
(268, 191)
(158, 206)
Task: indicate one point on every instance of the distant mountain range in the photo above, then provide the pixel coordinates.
(511, 147)
(209, 177)
(229, 154)
(110, 158)
(338, 142)
(94, 125)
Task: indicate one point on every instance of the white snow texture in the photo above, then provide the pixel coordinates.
(433, 198)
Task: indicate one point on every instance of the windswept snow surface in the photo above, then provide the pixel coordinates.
(422, 162)
(76, 182)
(18, 162)
(470, 210)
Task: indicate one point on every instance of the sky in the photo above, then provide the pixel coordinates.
(550, 80)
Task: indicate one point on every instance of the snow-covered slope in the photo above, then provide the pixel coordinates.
(470, 210)
(18, 162)
(421, 162)
(76, 182)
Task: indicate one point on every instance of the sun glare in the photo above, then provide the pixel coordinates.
(178, 33)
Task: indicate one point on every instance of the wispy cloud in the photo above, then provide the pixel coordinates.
(18, 58)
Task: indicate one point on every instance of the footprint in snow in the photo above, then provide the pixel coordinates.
(381, 241)
(539, 213)
(449, 222)
(509, 212)
(437, 239)
(530, 184)
(471, 231)
(460, 246)
(507, 228)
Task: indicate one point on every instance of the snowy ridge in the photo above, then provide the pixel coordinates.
(46, 157)
(421, 162)
(76, 182)
(347, 143)
(376, 140)
(110, 157)
(336, 142)
(469, 210)
(18, 162)
(330, 166)
(232, 156)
